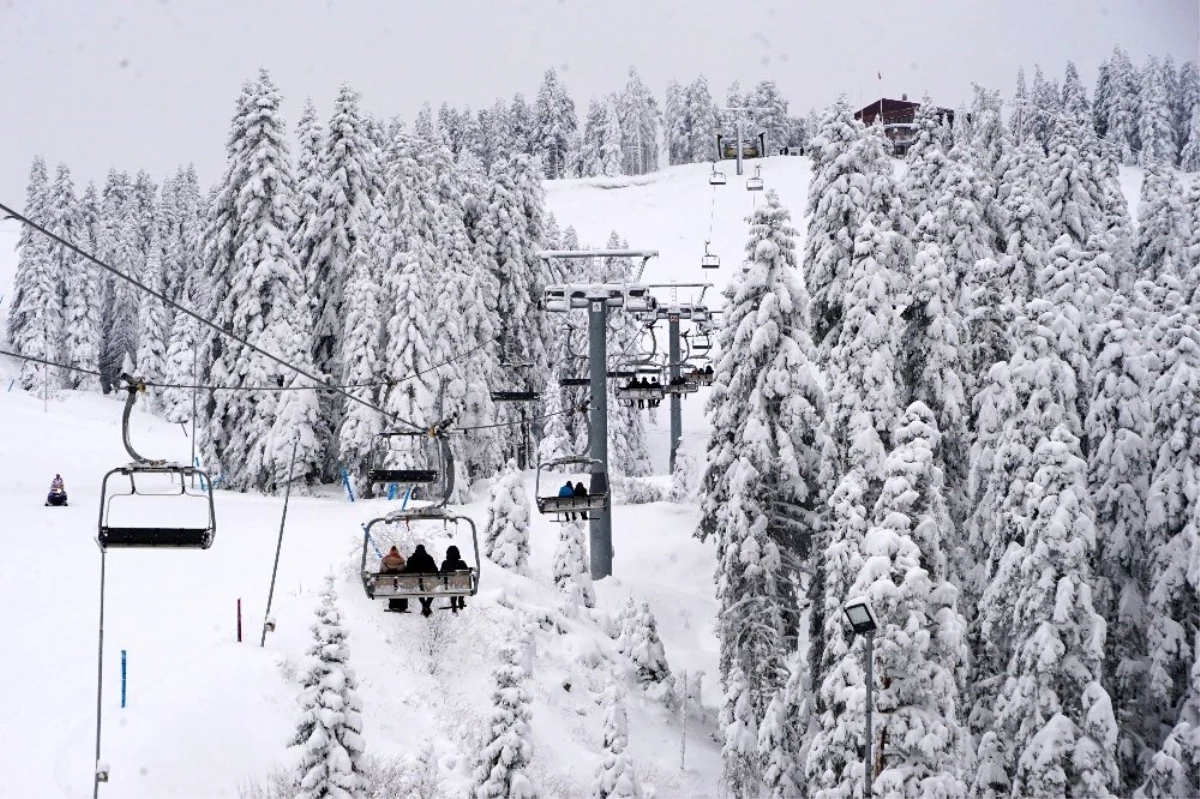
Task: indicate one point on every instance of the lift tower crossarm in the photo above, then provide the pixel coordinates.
(645, 255)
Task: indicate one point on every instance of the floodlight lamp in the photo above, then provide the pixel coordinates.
(859, 614)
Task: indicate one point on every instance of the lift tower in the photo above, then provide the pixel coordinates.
(596, 299)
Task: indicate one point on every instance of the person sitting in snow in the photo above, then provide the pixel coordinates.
(455, 563)
(580, 491)
(567, 490)
(422, 562)
(58, 493)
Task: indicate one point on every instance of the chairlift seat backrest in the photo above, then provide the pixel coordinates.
(155, 538)
(710, 262)
(641, 393)
(567, 381)
(754, 184)
(405, 476)
(403, 586)
(596, 503)
(516, 396)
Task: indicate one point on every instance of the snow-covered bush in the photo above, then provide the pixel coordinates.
(615, 777)
(506, 536)
(572, 574)
(640, 642)
(635, 490)
(502, 767)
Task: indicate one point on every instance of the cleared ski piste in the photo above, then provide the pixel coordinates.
(206, 715)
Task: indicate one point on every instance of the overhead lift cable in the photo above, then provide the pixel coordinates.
(12, 214)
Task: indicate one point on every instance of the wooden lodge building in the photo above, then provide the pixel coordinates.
(899, 120)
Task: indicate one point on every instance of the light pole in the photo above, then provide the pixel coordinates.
(862, 622)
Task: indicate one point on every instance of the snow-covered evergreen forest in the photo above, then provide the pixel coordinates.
(963, 387)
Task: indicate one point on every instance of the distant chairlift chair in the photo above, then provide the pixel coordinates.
(755, 183)
(559, 507)
(437, 465)
(161, 536)
(716, 178)
(709, 260)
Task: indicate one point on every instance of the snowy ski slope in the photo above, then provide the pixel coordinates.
(207, 714)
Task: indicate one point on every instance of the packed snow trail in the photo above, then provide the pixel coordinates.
(206, 714)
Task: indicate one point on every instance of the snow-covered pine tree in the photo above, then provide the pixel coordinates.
(35, 318)
(1122, 130)
(1186, 100)
(311, 227)
(1045, 105)
(506, 535)
(1038, 394)
(1074, 96)
(253, 273)
(1175, 769)
(153, 330)
(850, 165)
(1162, 223)
(408, 281)
(675, 122)
(1155, 118)
(556, 438)
(1027, 225)
(1056, 723)
(1173, 603)
(181, 367)
(702, 114)
(572, 574)
(906, 578)
(502, 769)
(81, 317)
(520, 120)
(616, 777)
(932, 363)
(689, 467)
(351, 181)
(611, 162)
(640, 642)
(330, 727)
(554, 124)
(863, 355)
(1119, 467)
(1073, 193)
(361, 338)
(628, 454)
(639, 126)
(771, 113)
(1189, 156)
(784, 729)
(589, 160)
(763, 488)
(1101, 100)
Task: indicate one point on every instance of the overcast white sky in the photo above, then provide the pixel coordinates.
(151, 85)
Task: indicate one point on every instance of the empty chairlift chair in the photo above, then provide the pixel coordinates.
(422, 458)
(518, 392)
(709, 260)
(560, 507)
(152, 490)
(426, 521)
(716, 178)
(755, 183)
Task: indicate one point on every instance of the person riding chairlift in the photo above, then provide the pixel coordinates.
(580, 491)
(567, 490)
(455, 563)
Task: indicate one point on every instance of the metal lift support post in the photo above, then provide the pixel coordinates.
(599, 524)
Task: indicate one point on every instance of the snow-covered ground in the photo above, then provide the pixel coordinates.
(206, 714)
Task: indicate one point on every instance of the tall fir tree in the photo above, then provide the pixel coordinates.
(80, 280)
(35, 318)
(1155, 117)
(615, 777)
(502, 768)
(764, 484)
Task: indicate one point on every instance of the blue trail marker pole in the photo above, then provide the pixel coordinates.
(124, 673)
(346, 482)
(391, 491)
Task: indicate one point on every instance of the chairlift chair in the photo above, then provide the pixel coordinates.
(709, 260)
(436, 457)
(716, 178)
(198, 534)
(755, 183)
(567, 380)
(412, 585)
(702, 342)
(523, 394)
(558, 507)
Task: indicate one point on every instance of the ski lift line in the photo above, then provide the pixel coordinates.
(188, 386)
(12, 214)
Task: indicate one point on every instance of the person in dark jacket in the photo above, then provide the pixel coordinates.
(422, 562)
(455, 563)
(580, 491)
